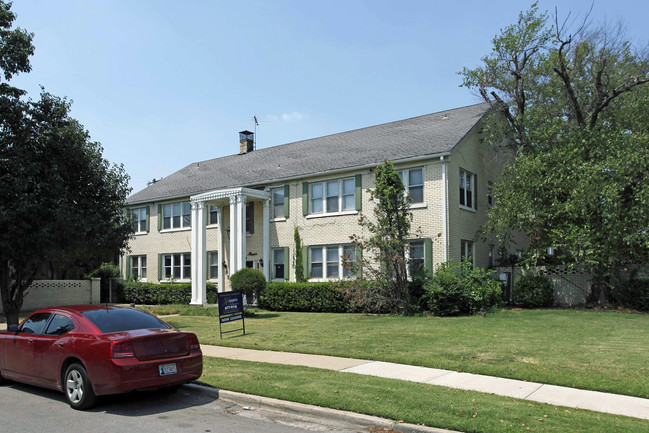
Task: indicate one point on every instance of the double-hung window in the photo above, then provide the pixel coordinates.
(331, 261)
(139, 220)
(176, 216)
(138, 267)
(467, 189)
(413, 181)
(277, 198)
(213, 261)
(176, 266)
(415, 257)
(279, 264)
(466, 251)
(213, 217)
(332, 196)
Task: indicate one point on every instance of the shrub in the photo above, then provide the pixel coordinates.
(307, 297)
(457, 289)
(532, 290)
(250, 281)
(137, 292)
(632, 294)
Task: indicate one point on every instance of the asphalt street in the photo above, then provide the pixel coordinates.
(26, 409)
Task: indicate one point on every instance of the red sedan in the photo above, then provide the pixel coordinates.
(91, 350)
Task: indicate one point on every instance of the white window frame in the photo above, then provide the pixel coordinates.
(467, 194)
(466, 251)
(274, 276)
(327, 252)
(212, 210)
(178, 260)
(405, 178)
(211, 266)
(341, 196)
(183, 224)
(139, 216)
(138, 268)
(409, 255)
(277, 204)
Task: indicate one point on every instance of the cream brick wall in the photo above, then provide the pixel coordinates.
(470, 154)
(481, 158)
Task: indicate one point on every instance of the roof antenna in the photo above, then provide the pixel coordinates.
(255, 137)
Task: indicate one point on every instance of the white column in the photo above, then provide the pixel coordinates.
(266, 230)
(233, 235)
(444, 208)
(221, 248)
(198, 254)
(241, 232)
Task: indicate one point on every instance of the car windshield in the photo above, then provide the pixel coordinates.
(123, 319)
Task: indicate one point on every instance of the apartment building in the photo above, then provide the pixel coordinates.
(212, 218)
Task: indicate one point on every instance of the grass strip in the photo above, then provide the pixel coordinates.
(408, 402)
(582, 349)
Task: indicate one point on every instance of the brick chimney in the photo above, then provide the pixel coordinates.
(246, 142)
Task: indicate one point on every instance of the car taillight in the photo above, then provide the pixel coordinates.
(193, 343)
(121, 349)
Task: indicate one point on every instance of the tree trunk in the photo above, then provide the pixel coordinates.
(600, 290)
(12, 301)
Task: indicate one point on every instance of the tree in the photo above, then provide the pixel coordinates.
(573, 108)
(387, 244)
(59, 199)
(298, 260)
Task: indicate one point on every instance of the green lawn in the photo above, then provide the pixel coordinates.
(604, 351)
(409, 402)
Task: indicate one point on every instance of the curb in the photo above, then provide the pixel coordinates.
(272, 404)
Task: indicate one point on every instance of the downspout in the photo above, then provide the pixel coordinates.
(444, 209)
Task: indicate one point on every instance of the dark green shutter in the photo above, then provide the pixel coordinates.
(286, 264)
(128, 267)
(359, 191)
(159, 217)
(287, 201)
(428, 255)
(159, 268)
(305, 261)
(250, 214)
(147, 218)
(359, 262)
(305, 198)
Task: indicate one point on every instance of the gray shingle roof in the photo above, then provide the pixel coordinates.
(431, 134)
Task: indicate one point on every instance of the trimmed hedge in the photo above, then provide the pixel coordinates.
(136, 292)
(308, 297)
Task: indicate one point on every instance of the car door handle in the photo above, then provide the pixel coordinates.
(30, 341)
(61, 344)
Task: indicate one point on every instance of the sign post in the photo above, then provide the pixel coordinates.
(230, 310)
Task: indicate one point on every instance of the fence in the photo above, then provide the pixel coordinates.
(571, 286)
(49, 293)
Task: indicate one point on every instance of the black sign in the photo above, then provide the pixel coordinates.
(230, 310)
(230, 303)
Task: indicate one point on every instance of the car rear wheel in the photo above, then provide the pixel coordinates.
(77, 388)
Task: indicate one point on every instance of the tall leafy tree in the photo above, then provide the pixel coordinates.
(387, 242)
(59, 199)
(572, 104)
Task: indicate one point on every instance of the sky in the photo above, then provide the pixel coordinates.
(162, 84)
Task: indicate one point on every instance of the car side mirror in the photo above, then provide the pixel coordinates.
(13, 328)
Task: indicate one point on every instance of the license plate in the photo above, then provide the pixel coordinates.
(167, 369)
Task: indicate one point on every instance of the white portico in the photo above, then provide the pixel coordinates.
(236, 199)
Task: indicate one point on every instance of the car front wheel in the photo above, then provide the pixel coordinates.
(77, 388)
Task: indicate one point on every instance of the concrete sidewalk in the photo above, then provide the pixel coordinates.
(538, 392)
